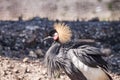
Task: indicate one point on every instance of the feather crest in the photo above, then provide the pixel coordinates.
(63, 31)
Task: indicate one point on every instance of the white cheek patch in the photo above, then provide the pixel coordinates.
(56, 34)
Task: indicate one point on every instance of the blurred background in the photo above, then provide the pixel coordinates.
(24, 24)
(60, 9)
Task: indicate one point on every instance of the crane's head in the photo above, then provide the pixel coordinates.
(60, 33)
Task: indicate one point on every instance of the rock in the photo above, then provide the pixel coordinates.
(32, 28)
(106, 51)
(32, 54)
(10, 66)
(44, 71)
(15, 70)
(27, 70)
(31, 40)
(17, 77)
(25, 59)
(3, 73)
(20, 77)
(39, 53)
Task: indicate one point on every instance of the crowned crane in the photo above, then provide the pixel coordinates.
(81, 63)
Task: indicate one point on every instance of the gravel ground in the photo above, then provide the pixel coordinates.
(27, 69)
(24, 69)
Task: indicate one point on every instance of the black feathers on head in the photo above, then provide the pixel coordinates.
(51, 33)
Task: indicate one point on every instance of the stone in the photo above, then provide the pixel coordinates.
(15, 70)
(32, 54)
(25, 59)
(39, 52)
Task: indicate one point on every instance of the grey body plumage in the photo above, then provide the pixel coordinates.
(56, 59)
(81, 63)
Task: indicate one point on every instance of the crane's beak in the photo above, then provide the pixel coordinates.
(46, 38)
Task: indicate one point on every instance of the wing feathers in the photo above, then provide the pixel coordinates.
(90, 56)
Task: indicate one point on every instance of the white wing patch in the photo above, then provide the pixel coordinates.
(90, 72)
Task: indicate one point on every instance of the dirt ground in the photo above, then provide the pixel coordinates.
(27, 69)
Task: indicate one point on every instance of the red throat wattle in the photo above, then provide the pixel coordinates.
(55, 37)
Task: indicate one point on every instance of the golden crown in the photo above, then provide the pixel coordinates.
(63, 31)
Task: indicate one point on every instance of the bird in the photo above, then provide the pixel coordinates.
(84, 62)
